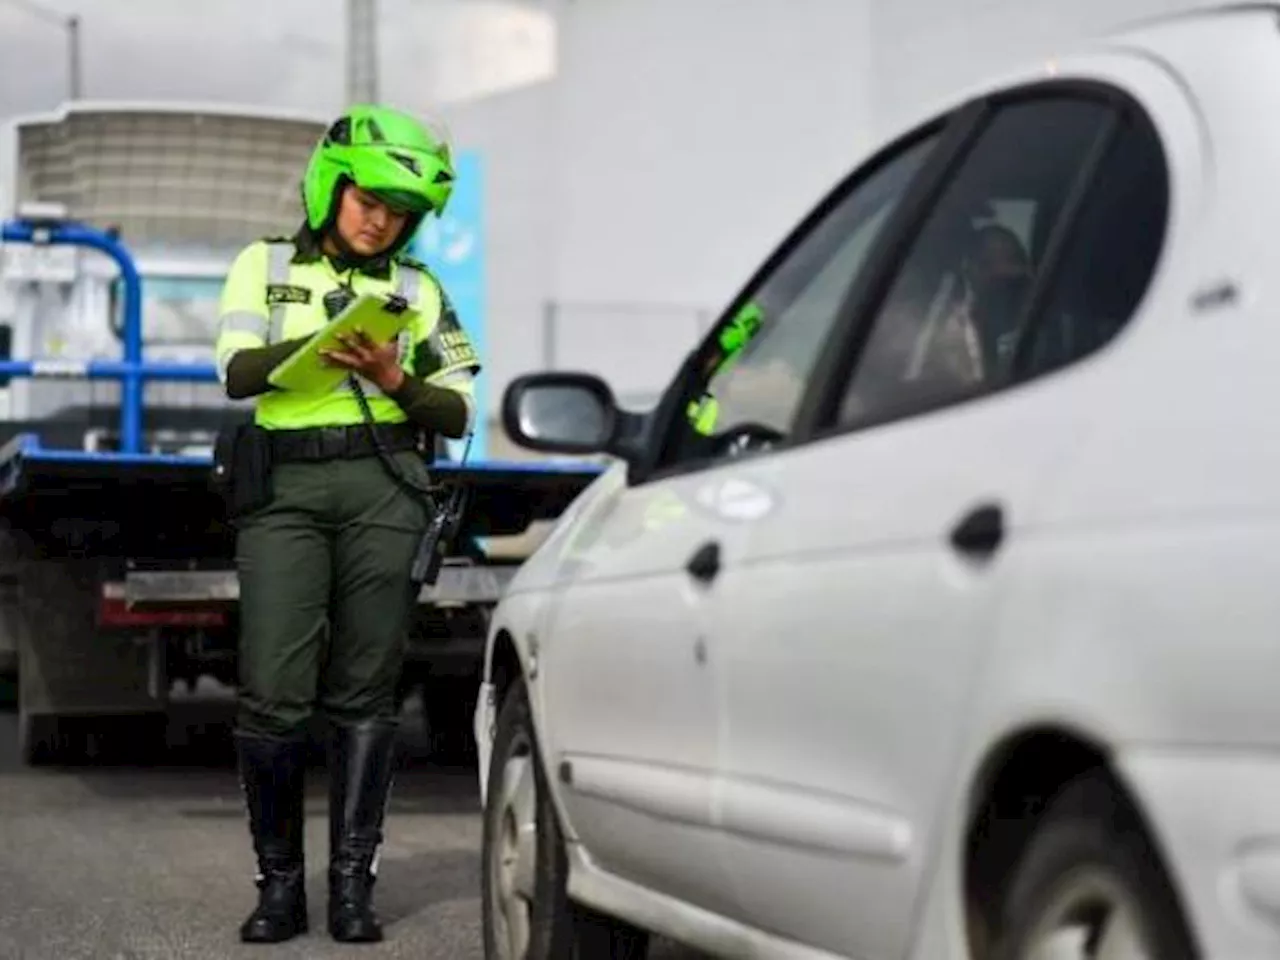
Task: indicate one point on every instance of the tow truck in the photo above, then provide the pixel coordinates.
(117, 578)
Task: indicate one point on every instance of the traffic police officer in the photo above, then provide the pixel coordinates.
(325, 553)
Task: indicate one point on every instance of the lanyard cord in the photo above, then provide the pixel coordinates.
(335, 305)
(425, 493)
(444, 524)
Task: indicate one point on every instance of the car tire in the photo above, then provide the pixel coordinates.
(527, 914)
(1089, 872)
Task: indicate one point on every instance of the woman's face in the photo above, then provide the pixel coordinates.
(366, 224)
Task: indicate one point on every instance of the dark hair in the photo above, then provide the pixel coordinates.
(991, 231)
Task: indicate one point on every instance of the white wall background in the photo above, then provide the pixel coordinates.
(926, 49)
(513, 131)
(693, 133)
(643, 156)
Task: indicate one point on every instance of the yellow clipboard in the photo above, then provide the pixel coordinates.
(381, 318)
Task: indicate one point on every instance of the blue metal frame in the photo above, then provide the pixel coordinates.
(133, 372)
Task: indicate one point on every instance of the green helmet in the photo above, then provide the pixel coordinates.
(386, 152)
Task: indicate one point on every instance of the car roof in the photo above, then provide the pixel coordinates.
(1163, 35)
(1193, 15)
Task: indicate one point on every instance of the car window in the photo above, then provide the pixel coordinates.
(1110, 255)
(764, 353)
(950, 323)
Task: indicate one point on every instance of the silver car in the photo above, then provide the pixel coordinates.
(934, 612)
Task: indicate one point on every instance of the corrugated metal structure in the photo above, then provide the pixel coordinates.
(167, 176)
(185, 186)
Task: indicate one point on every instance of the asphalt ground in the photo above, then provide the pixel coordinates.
(144, 854)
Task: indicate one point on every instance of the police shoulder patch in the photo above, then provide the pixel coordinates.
(287, 293)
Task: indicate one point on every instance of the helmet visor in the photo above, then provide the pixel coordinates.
(402, 201)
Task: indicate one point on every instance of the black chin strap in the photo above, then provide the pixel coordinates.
(348, 259)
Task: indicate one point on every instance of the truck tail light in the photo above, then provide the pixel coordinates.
(114, 613)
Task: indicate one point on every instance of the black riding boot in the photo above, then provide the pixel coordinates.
(272, 773)
(361, 763)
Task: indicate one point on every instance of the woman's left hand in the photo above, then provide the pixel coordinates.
(378, 363)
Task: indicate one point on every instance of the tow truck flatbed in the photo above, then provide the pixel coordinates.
(504, 496)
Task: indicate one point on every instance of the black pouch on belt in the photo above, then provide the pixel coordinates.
(438, 539)
(242, 466)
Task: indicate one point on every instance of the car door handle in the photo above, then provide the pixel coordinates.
(980, 532)
(705, 562)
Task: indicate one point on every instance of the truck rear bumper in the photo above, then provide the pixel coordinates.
(459, 584)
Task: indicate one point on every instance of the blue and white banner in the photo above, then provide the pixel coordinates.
(453, 247)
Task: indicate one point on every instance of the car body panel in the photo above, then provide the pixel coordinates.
(629, 697)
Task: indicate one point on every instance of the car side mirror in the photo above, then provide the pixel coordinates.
(570, 413)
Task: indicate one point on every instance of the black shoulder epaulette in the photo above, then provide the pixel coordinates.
(407, 261)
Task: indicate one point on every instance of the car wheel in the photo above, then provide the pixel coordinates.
(526, 911)
(1089, 884)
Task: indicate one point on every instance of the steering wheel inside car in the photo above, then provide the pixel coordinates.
(747, 438)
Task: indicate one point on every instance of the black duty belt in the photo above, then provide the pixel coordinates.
(341, 443)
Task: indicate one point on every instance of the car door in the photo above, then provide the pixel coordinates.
(868, 598)
(632, 654)
(628, 666)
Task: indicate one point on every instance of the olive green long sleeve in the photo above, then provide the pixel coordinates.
(435, 408)
(249, 368)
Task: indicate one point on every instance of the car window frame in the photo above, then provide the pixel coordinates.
(818, 418)
(958, 131)
(682, 389)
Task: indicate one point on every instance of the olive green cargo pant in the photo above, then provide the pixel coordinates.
(325, 594)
